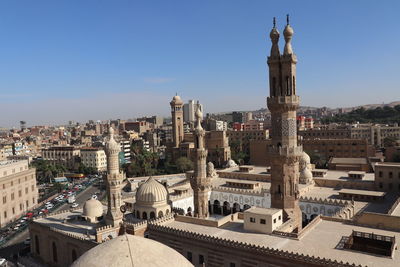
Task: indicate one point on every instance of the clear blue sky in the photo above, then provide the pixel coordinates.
(79, 60)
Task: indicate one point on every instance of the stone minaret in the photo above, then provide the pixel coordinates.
(114, 181)
(201, 184)
(177, 120)
(284, 151)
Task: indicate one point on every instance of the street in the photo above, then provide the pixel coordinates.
(17, 243)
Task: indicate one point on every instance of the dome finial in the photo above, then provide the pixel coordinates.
(274, 35)
(274, 23)
(287, 19)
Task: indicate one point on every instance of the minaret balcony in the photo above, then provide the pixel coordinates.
(285, 151)
(290, 102)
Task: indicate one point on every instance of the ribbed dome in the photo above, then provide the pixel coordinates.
(176, 100)
(131, 250)
(112, 145)
(288, 31)
(150, 192)
(92, 208)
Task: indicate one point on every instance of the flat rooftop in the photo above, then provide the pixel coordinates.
(362, 192)
(65, 222)
(262, 211)
(323, 240)
(344, 176)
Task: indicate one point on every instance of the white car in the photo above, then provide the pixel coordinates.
(2, 261)
(74, 205)
(94, 196)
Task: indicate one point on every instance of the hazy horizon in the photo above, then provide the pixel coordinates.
(80, 60)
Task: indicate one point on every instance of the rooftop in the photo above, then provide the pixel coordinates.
(324, 240)
(262, 211)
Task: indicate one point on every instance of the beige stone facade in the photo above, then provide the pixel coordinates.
(94, 158)
(262, 220)
(19, 192)
(63, 155)
(339, 148)
(387, 176)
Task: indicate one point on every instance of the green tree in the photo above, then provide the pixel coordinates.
(184, 164)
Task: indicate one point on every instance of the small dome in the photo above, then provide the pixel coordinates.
(92, 208)
(150, 192)
(288, 31)
(112, 145)
(274, 34)
(176, 100)
(131, 250)
(230, 164)
(306, 175)
(305, 159)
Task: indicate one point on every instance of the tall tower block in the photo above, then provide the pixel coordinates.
(114, 180)
(284, 151)
(177, 120)
(201, 184)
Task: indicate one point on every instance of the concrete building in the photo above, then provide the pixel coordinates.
(262, 220)
(94, 157)
(387, 176)
(375, 134)
(63, 155)
(189, 110)
(339, 148)
(19, 193)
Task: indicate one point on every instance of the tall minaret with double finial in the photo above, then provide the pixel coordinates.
(201, 184)
(284, 151)
(114, 180)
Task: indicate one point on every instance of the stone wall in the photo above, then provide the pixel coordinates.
(362, 185)
(378, 220)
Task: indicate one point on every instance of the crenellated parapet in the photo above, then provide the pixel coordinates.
(240, 191)
(325, 201)
(237, 245)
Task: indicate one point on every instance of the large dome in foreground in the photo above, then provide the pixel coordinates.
(130, 250)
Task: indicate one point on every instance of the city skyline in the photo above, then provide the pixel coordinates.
(67, 61)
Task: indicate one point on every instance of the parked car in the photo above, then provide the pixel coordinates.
(74, 205)
(94, 196)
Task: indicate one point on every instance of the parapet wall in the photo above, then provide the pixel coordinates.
(378, 220)
(361, 185)
(245, 176)
(257, 253)
(205, 222)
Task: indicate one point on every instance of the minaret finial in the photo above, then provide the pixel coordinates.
(274, 22)
(287, 19)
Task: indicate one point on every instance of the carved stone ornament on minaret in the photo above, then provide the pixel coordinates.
(114, 181)
(200, 182)
(284, 150)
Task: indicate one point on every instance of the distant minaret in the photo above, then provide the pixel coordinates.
(284, 151)
(201, 184)
(177, 120)
(114, 180)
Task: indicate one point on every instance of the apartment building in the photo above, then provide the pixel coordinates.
(94, 157)
(19, 192)
(63, 155)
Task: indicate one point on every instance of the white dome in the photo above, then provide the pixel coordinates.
(151, 192)
(92, 208)
(306, 175)
(176, 100)
(131, 250)
(305, 159)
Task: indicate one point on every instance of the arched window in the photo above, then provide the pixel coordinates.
(279, 188)
(37, 248)
(294, 85)
(167, 212)
(55, 258)
(160, 214)
(152, 215)
(274, 86)
(287, 86)
(144, 216)
(74, 257)
(138, 214)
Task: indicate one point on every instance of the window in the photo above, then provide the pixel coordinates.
(13, 210)
(380, 185)
(33, 187)
(5, 214)
(37, 248)
(232, 264)
(19, 193)
(262, 221)
(253, 220)
(4, 199)
(275, 220)
(189, 256)
(279, 218)
(390, 174)
(201, 259)
(55, 259)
